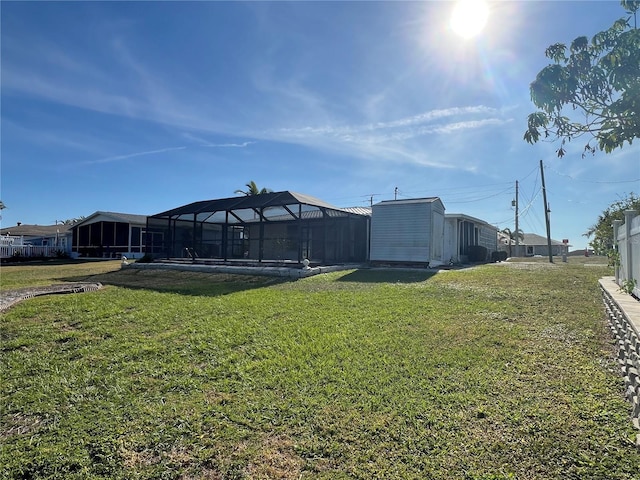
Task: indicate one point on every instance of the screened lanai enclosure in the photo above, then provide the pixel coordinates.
(278, 227)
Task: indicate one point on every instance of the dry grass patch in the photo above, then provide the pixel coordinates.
(275, 458)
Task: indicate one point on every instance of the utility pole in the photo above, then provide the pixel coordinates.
(371, 196)
(546, 213)
(517, 224)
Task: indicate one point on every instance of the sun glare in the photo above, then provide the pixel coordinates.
(469, 17)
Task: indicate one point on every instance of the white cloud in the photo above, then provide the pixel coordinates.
(229, 145)
(408, 140)
(136, 91)
(132, 155)
(205, 143)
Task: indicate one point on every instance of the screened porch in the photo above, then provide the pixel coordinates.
(284, 227)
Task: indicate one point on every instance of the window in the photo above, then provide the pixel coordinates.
(136, 236)
(122, 234)
(108, 233)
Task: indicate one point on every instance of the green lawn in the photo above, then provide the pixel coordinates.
(496, 372)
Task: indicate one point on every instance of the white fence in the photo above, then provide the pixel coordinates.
(16, 247)
(627, 237)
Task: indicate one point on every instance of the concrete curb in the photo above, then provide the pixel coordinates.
(622, 312)
(10, 298)
(238, 270)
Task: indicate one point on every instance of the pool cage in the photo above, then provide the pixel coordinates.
(283, 227)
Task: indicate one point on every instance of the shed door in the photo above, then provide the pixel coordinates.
(437, 237)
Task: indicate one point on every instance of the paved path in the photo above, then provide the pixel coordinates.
(628, 304)
(11, 297)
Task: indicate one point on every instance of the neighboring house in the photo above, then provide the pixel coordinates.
(35, 240)
(508, 245)
(408, 231)
(462, 232)
(532, 245)
(275, 226)
(109, 235)
(537, 245)
(291, 227)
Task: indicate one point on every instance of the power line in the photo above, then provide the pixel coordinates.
(535, 169)
(482, 198)
(457, 190)
(530, 204)
(605, 182)
(528, 214)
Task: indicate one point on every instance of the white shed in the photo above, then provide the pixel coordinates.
(408, 231)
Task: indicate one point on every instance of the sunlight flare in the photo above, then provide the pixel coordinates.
(469, 17)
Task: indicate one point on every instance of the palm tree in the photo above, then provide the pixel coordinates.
(252, 189)
(512, 236)
(72, 221)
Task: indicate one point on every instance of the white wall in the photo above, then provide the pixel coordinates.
(451, 239)
(628, 243)
(407, 231)
(437, 233)
(487, 236)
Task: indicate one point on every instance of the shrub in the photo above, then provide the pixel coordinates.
(146, 258)
(477, 253)
(498, 256)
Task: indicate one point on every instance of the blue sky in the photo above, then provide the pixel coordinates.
(139, 107)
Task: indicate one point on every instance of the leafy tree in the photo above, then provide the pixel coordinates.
(602, 230)
(2, 205)
(252, 189)
(599, 79)
(512, 236)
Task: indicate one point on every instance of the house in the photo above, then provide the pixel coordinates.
(289, 227)
(109, 235)
(408, 231)
(35, 240)
(463, 234)
(532, 245)
(276, 226)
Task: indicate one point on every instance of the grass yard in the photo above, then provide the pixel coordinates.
(498, 372)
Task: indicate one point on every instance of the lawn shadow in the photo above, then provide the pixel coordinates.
(181, 282)
(389, 275)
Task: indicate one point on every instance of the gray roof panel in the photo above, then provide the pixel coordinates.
(272, 199)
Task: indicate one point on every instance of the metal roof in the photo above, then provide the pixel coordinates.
(469, 218)
(113, 217)
(359, 210)
(272, 199)
(408, 200)
(534, 239)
